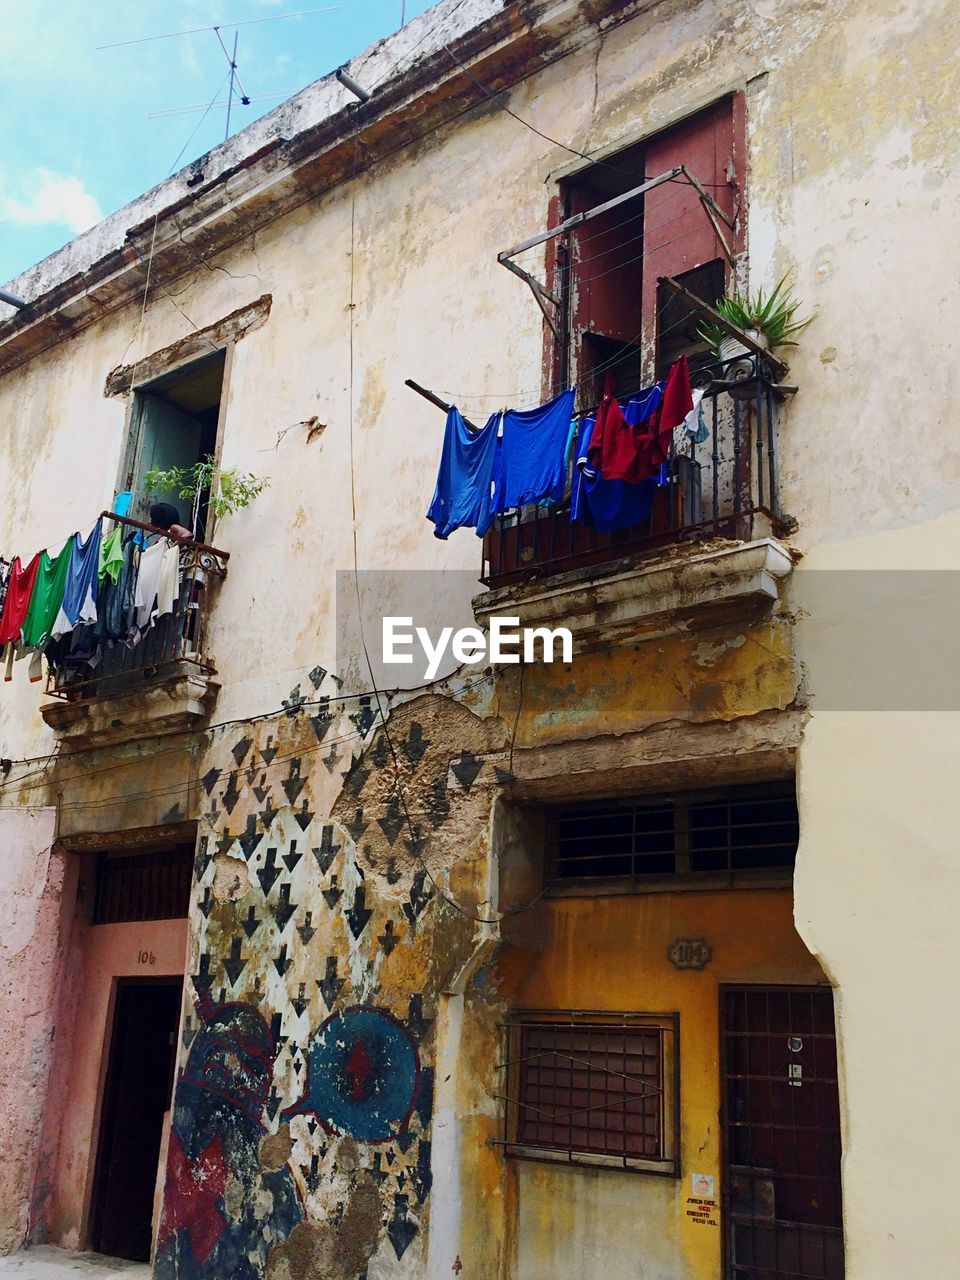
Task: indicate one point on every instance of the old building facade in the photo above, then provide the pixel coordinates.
(631, 965)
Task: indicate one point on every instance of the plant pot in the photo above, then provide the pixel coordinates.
(738, 360)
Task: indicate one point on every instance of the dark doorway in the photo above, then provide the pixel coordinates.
(781, 1130)
(173, 424)
(136, 1095)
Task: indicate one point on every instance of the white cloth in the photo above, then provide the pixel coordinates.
(168, 586)
(156, 588)
(693, 423)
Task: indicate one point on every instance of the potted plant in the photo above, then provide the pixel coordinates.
(227, 490)
(769, 318)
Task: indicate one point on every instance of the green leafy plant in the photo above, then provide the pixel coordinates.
(229, 490)
(774, 314)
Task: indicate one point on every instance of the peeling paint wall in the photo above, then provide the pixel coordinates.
(36, 883)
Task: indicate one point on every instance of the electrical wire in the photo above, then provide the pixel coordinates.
(186, 111)
(196, 127)
(222, 26)
(321, 703)
(516, 399)
(408, 54)
(414, 840)
(494, 98)
(574, 151)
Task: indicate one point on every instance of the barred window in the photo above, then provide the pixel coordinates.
(593, 1089)
(732, 833)
(143, 885)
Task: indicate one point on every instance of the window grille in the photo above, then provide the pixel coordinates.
(143, 886)
(701, 836)
(593, 1089)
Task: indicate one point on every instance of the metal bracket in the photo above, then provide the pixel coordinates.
(714, 317)
(543, 297)
(713, 211)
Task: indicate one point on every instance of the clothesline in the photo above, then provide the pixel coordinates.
(98, 589)
(514, 397)
(521, 457)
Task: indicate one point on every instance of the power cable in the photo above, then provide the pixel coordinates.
(222, 26)
(196, 127)
(574, 151)
(321, 703)
(414, 840)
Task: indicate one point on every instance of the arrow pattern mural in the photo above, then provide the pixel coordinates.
(332, 887)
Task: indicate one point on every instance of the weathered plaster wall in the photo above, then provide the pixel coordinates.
(610, 953)
(878, 891)
(36, 881)
(98, 956)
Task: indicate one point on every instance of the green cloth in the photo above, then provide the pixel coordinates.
(111, 555)
(47, 597)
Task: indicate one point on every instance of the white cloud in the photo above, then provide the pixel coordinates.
(45, 198)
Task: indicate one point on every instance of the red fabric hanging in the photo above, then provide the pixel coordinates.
(19, 591)
(676, 404)
(622, 452)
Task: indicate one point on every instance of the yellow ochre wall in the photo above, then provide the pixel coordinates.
(610, 954)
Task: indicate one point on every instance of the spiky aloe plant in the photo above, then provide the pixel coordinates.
(774, 314)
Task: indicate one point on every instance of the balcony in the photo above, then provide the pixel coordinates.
(161, 680)
(724, 487)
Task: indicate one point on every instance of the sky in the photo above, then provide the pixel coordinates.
(79, 140)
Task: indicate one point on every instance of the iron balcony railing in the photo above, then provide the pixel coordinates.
(725, 486)
(175, 642)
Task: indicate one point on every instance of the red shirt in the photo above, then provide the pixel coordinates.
(676, 404)
(622, 452)
(19, 591)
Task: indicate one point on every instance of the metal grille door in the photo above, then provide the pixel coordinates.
(781, 1118)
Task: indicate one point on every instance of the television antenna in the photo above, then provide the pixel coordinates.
(235, 87)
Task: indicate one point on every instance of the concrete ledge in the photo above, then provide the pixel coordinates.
(171, 703)
(636, 599)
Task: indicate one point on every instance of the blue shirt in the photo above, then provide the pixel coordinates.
(531, 461)
(80, 591)
(462, 496)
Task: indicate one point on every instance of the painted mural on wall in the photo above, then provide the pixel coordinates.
(362, 1075)
(301, 1137)
(207, 1227)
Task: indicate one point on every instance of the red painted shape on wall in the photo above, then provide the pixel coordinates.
(193, 1194)
(359, 1068)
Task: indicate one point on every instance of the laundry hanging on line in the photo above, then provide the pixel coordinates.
(110, 560)
(517, 457)
(79, 604)
(95, 590)
(634, 448)
(608, 505)
(521, 457)
(530, 461)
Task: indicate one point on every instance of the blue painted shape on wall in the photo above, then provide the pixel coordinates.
(363, 1072)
